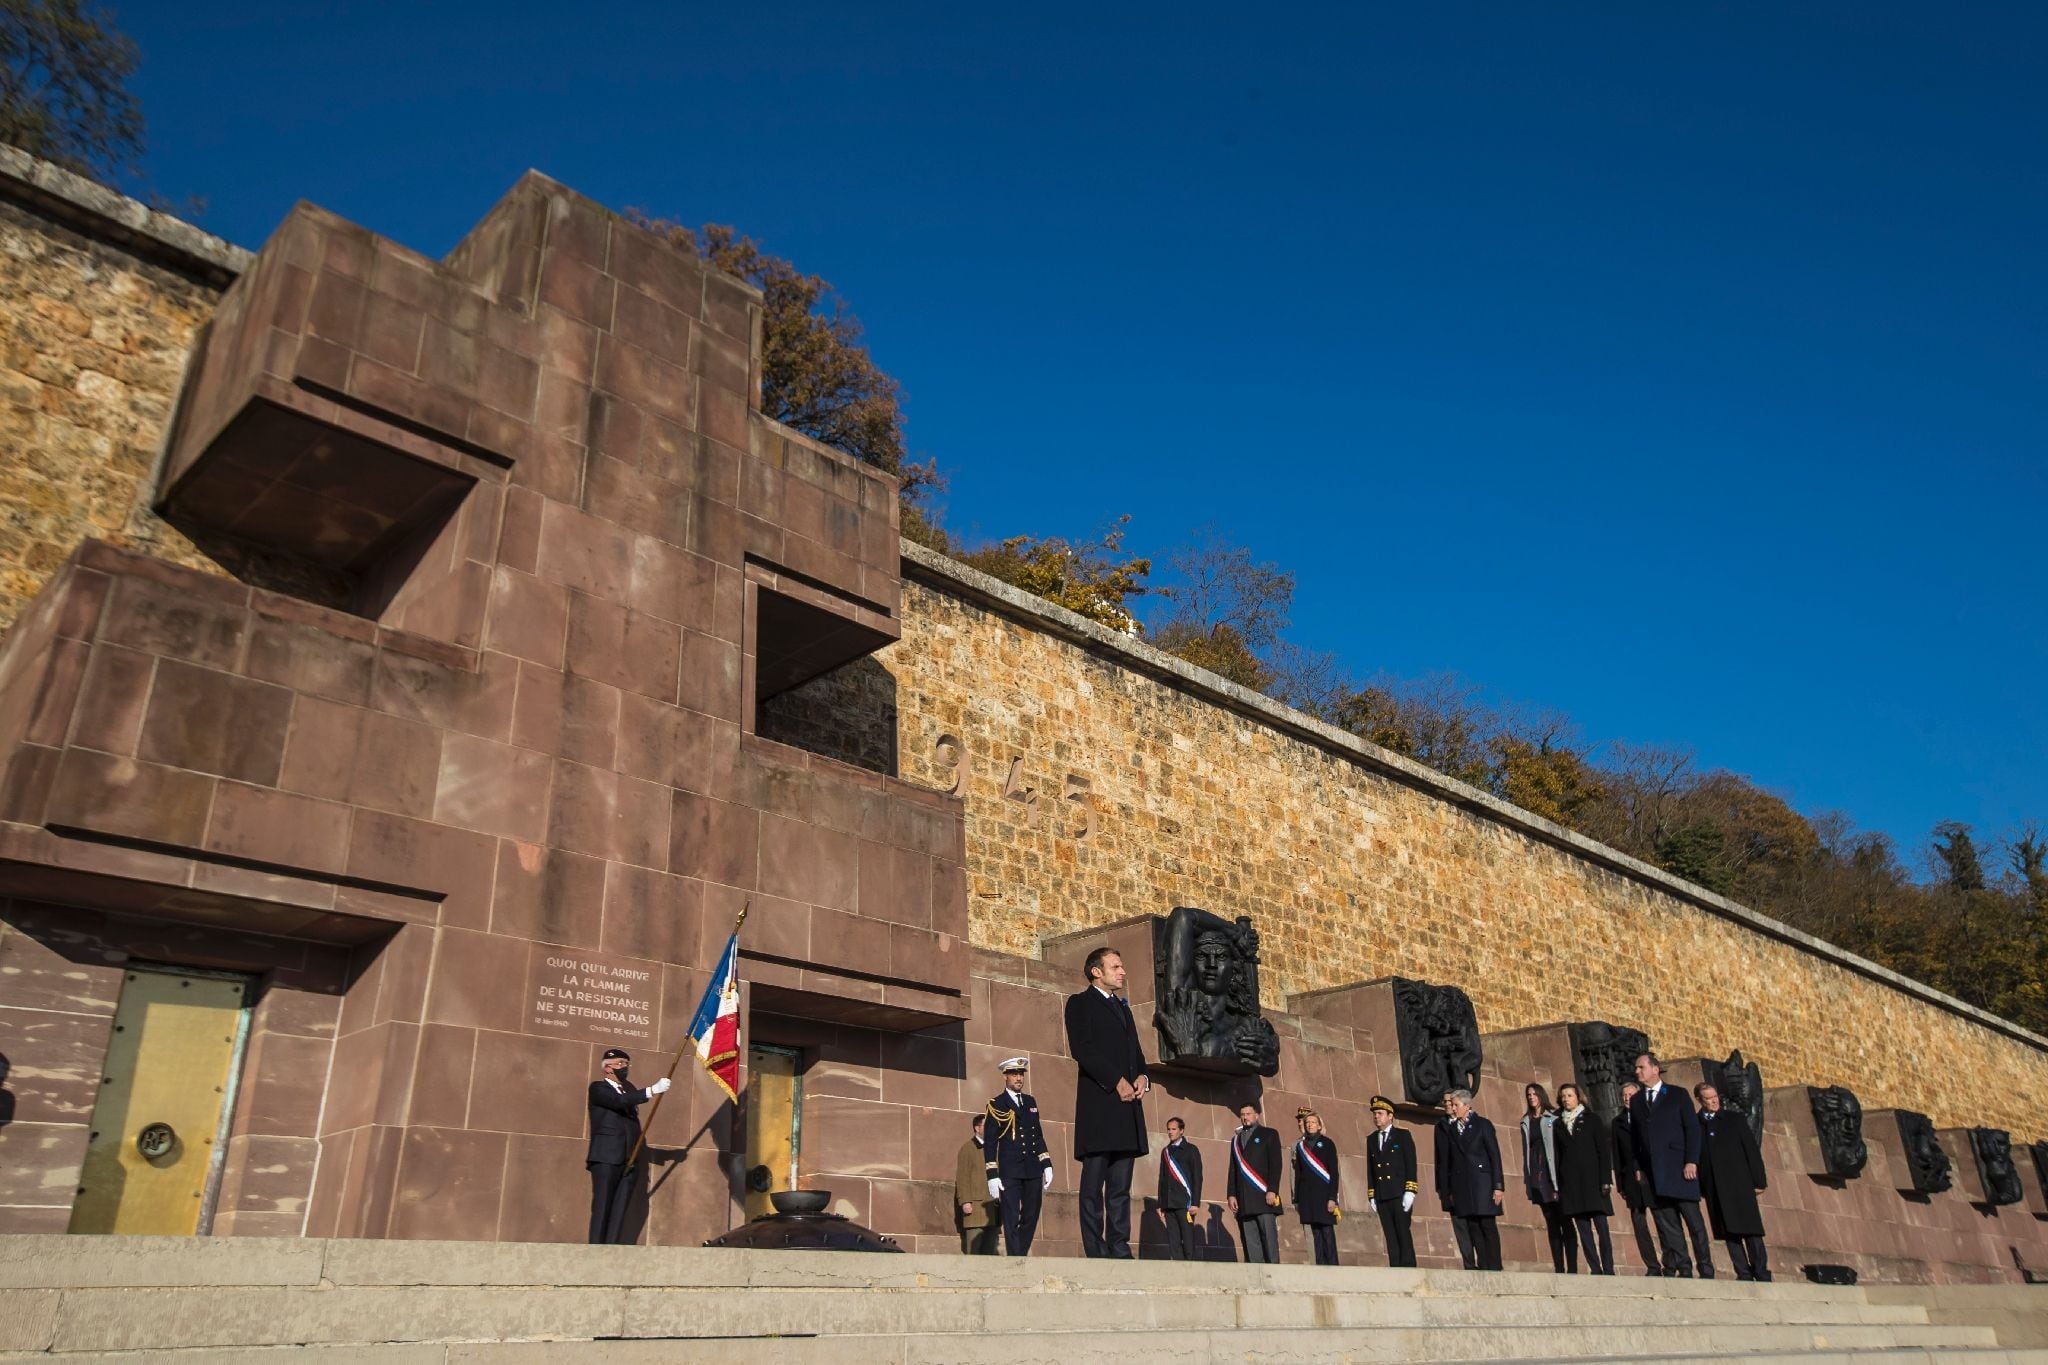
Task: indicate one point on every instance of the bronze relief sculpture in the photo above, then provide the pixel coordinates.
(1604, 1059)
(1206, 985)
(1838, 1119)
(1927, 1165)
(1438, 1037)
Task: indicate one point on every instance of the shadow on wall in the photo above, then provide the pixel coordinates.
(6, 1095)
(848, 714)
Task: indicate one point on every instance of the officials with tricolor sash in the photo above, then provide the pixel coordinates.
(1180, 1190)
(1254, 1185)
(1315, 1184)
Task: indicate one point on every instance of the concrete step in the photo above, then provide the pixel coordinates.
(1172, 1348)
(2017, 1312)
(127, 1319)
(79, 1298)
(1047, 1326)
(28, 1262)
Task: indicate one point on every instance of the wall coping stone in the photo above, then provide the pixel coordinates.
(951, 576)
(98, 211)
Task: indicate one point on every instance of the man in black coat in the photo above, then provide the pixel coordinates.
(1019, 1159)
(1390, 1181)
(1667, 1137)
(1180, 1190)
(1109, 1111)
(1469, 1180)
(614, 1131)
(1633, 1192)
(1731, 1172)
(1254, 1185)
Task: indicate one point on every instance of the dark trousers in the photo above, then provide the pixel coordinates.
(1260, 1234)
(1106, 1206)
(1599, 1246)
(981, 1241)
(1324, 1235)
(1180, 1235)
(1747, 1255)
(1564, 1252)
(1461, 1230)
(1669, 1213)
(1397, 1224)
(1646, 1245)
(1022, 1196)
(609, 1191)
(1482, 1237)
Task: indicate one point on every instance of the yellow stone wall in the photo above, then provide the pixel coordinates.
(1094, 791)
(1350, 874)
(92, 342)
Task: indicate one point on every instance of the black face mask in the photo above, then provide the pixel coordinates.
(620, 1075)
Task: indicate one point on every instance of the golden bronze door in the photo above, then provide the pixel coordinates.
(774, 1092)
(165, 1090)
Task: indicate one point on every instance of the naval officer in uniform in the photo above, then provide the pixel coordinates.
(1019, 1163)
(1390, 1181)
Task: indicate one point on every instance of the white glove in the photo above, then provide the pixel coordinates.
(1408, 1202)
(1048, 1177)
(660, 1087)
(1372, 1206)
(995, 1189)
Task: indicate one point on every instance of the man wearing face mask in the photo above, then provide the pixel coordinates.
(614, 1131)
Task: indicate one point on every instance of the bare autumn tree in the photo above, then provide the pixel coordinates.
(1225, 610)
(64, 69)
(816, 374)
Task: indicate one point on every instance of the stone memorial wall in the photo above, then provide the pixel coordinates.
(451, 648)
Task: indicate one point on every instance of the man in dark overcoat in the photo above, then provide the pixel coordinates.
(1390, 1181)
(614, 1132)
(1731, 1172)
(1633, 1192)
(1253, 1187)
(1109, 1111)
(1667, 1137)
(1469, 1180)
(1180, 1190)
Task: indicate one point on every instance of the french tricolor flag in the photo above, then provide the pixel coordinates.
(716, 1029)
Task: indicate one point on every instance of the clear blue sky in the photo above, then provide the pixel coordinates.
(1684, 368)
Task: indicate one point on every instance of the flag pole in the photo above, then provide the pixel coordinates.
(633, 1159)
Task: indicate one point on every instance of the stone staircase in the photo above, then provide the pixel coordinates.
(78, 1299)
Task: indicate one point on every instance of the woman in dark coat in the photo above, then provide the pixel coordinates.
(1731, 1172)
(1315, 1184)
(1585, 1175)
(1539, 1179)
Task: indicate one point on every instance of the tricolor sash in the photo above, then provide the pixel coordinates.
(1307, 1154)
(1174, 1166)
(1245, 1167)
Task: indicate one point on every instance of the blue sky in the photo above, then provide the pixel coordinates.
(1678, 367)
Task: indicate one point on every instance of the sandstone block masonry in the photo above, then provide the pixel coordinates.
(1104, 780)
(94, 336)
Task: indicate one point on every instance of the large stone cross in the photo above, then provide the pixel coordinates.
(534, 558)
